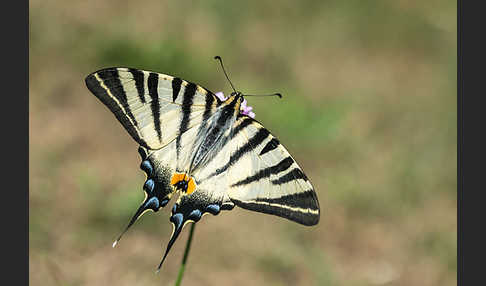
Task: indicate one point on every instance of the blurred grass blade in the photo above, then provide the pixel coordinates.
(186, 254)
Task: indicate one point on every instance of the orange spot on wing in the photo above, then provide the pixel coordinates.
(177, 177)
(191, 186)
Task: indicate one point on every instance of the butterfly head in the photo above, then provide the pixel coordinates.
(238, 97)
(244, 108)
(236, 93)
(239, 101)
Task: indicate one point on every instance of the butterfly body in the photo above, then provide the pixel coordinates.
(204, 148)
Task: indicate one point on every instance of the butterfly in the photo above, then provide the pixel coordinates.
(204, 148)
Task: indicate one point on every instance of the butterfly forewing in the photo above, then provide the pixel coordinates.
(272, 181)
(154, 108)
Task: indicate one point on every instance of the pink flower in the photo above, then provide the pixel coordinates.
(244, 109)
(221, 96)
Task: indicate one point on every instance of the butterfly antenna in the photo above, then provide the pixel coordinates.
(273, 94)
(222, 66)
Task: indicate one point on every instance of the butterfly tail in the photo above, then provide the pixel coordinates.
(178, 223)
(150, 204)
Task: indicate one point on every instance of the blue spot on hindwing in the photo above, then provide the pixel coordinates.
(195, 215)
(146, 166)
(149, 185)
(213, 209)
(177, 219)
(164, 203)
(152, 203)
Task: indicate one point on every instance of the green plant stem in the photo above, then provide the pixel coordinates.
(186, 254)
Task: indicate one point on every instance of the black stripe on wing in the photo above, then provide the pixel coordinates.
(176, 88)
(290, 176)
(208, 108)
(303, 200)
(111, 80)
(138, 77)
(153, 84)
(187, 101)
(256, 140)
(303, 209)
(272, 144)
(121, 112)
(264, 173)
(243, 124)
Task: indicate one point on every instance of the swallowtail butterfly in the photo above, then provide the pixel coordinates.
(204, 148)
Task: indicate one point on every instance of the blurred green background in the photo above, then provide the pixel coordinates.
(369, 112)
